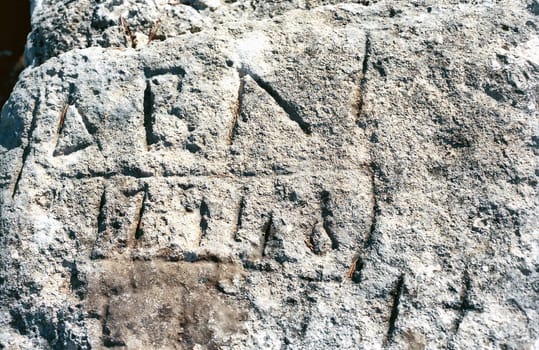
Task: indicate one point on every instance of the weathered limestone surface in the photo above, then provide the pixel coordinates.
(206, 174)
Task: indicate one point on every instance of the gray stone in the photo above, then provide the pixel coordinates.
(269, 174)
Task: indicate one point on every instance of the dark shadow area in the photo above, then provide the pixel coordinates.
(14, 27)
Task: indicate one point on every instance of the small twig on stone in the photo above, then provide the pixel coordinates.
(352, 269)
(62, 119)
(128, 33)
(154, 30)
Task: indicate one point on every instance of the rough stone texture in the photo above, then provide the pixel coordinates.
(272, 175)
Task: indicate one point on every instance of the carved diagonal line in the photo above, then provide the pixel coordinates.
(28, 146)
(288, 107)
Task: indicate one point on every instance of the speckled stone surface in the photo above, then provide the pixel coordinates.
(272, 175)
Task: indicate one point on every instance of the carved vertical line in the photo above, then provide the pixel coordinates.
(205, 215)
(465, 303)
(148, 114)
(139, 231)
(396, 293)
(268, 231)
(101, 227)
(375, 209)
(237, 227)
(328, 220)
(110, 340)
(363, 80)
(233, 129)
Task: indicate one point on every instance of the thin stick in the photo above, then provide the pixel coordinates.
(128, 33)
(62, 119)
(154, 30)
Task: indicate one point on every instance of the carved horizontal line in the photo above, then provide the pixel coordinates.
(144, 175)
